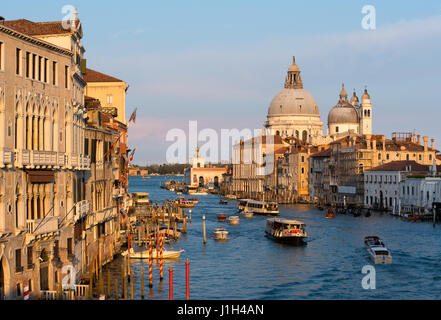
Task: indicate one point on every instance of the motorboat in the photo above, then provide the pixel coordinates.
(230, 197)
(330, 214)
(373, 241)
(380, 255)
(220, 234)
(286, 230)
(247, 214)
(234, 220)
(166, 254)
(221, 217)
(259, 207)
(377, 250)
(141, 198)
(223, 202)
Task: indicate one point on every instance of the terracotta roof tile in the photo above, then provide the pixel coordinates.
(323, 154)
(36, 28)
(402, 166)
(95, 76)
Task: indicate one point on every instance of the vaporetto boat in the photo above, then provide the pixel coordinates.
(258, 207)
(286, 230)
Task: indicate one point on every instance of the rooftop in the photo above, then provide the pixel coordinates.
(37, 28)
(95, 76)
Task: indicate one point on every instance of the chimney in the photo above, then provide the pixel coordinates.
(426, 140)
(433, 143)
(419, 139)
(374, 144)
(368, 141)
(383, 138)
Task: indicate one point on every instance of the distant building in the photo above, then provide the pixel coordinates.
(137, 172)
(199, 175)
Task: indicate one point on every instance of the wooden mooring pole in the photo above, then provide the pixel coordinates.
(187, 280)
(150, 263)
(203, 227)
(170, 284)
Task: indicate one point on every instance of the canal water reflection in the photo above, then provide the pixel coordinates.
(250, 266)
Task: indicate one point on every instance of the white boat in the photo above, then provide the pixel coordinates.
(230, 197)
(220, 234)
(247, 214)
(380, 255)
(286, 230)
(258, 207)
(198, 193)
(234, 220)
(373, 241)
(166, 254)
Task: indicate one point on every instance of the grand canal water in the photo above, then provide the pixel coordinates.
(250, 266)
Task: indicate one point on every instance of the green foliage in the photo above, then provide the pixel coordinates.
(169, 168)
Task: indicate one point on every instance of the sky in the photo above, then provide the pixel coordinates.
(220, 63)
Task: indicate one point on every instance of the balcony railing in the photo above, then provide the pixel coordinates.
(82, 209)
(6, 157)
(41, 226)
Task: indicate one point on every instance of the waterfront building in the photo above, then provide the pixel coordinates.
(318, 176)
(248, 164)
(382, 183)
(354, 154)
(42, 160)
(110, 91)
(202, 176)
(418, 193)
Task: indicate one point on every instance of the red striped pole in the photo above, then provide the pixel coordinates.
(161, 275)
(187, 279)
(150, 263)
(170, 285)
(26, 292)
(157, 242)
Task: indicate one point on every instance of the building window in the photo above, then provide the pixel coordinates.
(109, 99)
(18, 290)
(34, 64)
(40, 66)
(1, 55)
(303, 158)
(18, 267)
(30, 258)
(430, 157)
(69, 246)
(66, 77)
(419, 157)
(28, 64)
(387, 156)
(54, 73)
(336, 129)
(46, 65)
(18, 62)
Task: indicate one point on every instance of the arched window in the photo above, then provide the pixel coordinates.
(336, 129)
(304, 136)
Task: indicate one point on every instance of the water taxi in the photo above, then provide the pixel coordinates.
(247, 214)
(286, 230)
(259, 207)
(221, 217)
(377, 250)
(220, 234)
(380, 255)
(141, 198)
(234, 220)
(183, 203)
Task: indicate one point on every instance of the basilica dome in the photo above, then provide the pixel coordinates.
(291, 101)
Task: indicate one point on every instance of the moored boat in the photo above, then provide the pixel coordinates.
(166, 254)
(194, 200)
(373, 241)
(220, 234)
(223, 202)
(286, 230)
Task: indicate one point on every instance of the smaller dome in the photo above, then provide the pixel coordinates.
(294, 66)
(354, 98)
(343, 93)
(343, 113)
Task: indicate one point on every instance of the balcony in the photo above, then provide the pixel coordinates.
(39, 159)
(41, 226)
(82, 209)
(6, 157)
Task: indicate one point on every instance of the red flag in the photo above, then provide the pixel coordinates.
(133, 116)
(113, 145)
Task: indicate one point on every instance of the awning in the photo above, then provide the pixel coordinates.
(41, 176)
